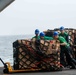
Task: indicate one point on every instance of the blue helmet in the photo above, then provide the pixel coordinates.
(61, 28)
(36, 31)
(55, 33)
(42, 34)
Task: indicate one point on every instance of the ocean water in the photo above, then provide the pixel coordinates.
(6, 47)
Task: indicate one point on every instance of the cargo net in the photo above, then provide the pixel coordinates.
(72, 40)
(41, 54)
(71, 34)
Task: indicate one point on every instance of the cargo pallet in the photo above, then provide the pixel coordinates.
(27, 57)
(8, 68)
(24, 53)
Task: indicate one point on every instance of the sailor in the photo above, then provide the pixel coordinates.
(64, 34)
(65, 49)
(43, 37)
(37, 34)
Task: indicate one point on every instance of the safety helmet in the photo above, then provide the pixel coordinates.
(61, 28)
(42, 34)
(36, 31)
(55, 33)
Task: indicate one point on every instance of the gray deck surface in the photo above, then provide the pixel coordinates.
(64, 72)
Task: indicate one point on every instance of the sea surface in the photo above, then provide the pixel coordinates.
(6, 47)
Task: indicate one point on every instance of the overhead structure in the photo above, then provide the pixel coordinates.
(4, 4)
